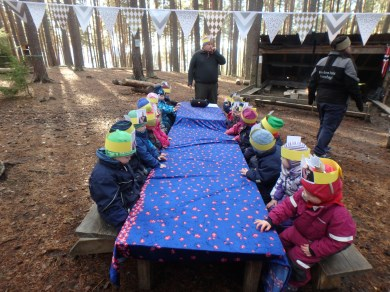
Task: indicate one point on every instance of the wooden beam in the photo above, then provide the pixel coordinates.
(252, 276)
(382, 106)
(85, 246)
(321, 50)
(308, 107)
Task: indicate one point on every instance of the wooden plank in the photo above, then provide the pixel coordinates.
(253, 90)
(85, 246)
(144, 280)
(252, 276)
(345, 262)
(381, 106)
(297, 104)
(94, 226)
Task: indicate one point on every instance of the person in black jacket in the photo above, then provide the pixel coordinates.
(334, 79)
(204, 70)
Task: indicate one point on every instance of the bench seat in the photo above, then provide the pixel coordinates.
(96, 236)
(327, 274)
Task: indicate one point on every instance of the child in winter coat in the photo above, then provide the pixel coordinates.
(323, 226)
(140, 171)
(112, 184)
(289, 180)
(147, 152)
(266, 170)
(158, 138)
(168, 112)
(242, 128)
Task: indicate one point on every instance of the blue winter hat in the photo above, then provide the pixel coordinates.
(260, 139)
(143, 103)
(158, 89)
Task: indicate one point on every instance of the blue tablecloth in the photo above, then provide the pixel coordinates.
(200, 207)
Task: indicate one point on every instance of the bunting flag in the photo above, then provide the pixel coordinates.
(109, 16)
(335, 22)
(60, 14)
(214, 20)
(367, 23)
(160, 18)
(244, 21)
(273, 23)
(303, 22)
(16, 7)
(133, 18)
(83, 14)
(187, 20)
(37, 11)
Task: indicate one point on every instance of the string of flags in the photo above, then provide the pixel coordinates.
(302, 21)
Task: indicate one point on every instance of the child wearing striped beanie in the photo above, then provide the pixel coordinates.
(273, 125)
(112, 184)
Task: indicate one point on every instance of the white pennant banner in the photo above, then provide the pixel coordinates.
(133, 18)
(16, 6)
(244, 21)
(273, 23)
(367, 23)
(109, 16)
(214, 20)
(160, 18)
(187, 20)
(303, 22)
(60, 14)
(335, 22)
(37, 11)
(83, 14)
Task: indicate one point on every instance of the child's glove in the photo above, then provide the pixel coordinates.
(162, 165)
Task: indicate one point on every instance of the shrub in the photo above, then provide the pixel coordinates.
(17, 77)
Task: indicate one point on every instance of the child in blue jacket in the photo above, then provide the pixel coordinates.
(168, 112)
(147, 152)
(266, 170)
(112, 183)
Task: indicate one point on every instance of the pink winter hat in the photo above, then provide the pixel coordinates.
(249, 115)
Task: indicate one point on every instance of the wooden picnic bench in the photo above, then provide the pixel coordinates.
(95, 235)
(328, 273)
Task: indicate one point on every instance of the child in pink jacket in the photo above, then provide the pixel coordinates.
(323, 226)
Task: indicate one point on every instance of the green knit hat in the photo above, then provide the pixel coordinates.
(134, 117)
(272, 123)
(118, 144)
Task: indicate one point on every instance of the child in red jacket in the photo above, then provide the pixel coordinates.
(323, 226)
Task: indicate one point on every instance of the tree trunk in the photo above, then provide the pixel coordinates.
(386, 24)
(175, 38)
(75, 38)
(14, 32)
(136, 57)
(8, 31)
(52, 59)
(148, 52)
(252, 49)
(234, 50)
(66, 48)
(36, 59)
(196, 28)
(99, 32)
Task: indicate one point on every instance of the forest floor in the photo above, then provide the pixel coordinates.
(48, 143)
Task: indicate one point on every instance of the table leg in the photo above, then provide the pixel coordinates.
(252, 276)
(144, 282)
